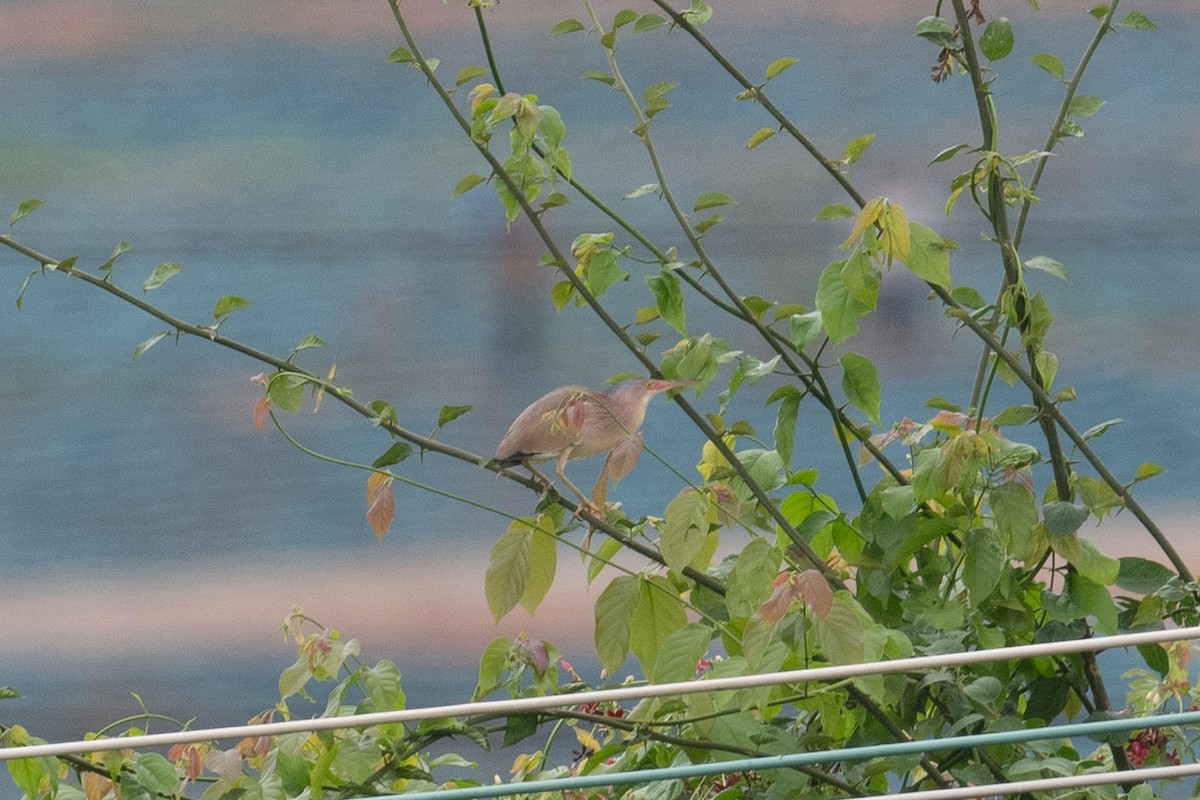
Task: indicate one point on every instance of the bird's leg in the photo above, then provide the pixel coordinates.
(585, 503)
(547, 484)
(600, 490)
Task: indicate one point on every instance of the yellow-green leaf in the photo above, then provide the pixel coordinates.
(26, 208)
(867, 217)
(928, 255)
(760, 136)
(614, 618)
(468, 73)
(508, 569)
(779, 65)
(146, 345)
(860, 381)
(657, 614)
(161, 274)
(543, 562)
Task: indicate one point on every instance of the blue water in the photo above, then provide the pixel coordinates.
(314, 179)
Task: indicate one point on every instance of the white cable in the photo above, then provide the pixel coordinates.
(527, 704)
(1133, 776)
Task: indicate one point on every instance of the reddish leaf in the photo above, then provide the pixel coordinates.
(781, 598)
(381, 503)
(262, 406)
(814, 590)
(807, 587)
(96, 786)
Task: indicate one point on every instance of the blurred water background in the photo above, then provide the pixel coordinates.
(151, 540)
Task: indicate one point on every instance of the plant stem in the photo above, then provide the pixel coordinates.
(560, 261)
(341, 395)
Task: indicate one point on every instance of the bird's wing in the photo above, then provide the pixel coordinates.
(551, 424)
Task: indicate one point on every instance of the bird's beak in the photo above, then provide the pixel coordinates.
(657, 385)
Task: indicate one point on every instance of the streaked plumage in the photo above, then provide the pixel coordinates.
(575, 422)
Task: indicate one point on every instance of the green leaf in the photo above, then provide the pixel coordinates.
(156, 774)
(669, 299)
(1015, 513)
(1015, 415)
(1095, 601)
(1084, 105)
(393, 455)
(712, 200)
(857, 148)
(449, 413)
(698, 13)
(491, 667)
(684, 530)
(644, 189)
(624, 17)
(657, 614)
(1141, 575)
(860, 381)
(835, 211)
(648, 22)
(805, 328)
(146, 345)
(543, 563)
(552, 126)
(1047, 365)
(839, 309)
(468, 73)
(286, 391)
(779, 65)
(968, 296)
(228, 304)
(121, 247)
(862, 278)
(749, 582)
(600, 76)
(382, 685)
(1063, 518)
(947, 154)
(567, 26)
(984, 561)
(1098, 11)
(760, 136)
(785, 424)
(681, 653)
(706, 223)
(997, 39)
(840, 633)
(1069, 128)
(161, 274)
(938, 31)
(765, 467)
(508, 569)
(468, 183)
(401, 55)
(657, 91)
(928, 255)
(1147, 469)
(26, 208)
(561, 293)
(614, 617)
(603, 272)
(1096, 431)
(1048, 265)
(309, 341)
(1051, 63)
(1138, 21)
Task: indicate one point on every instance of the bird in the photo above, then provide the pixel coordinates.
(575, 422)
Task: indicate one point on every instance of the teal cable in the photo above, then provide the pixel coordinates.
(1118, 725)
